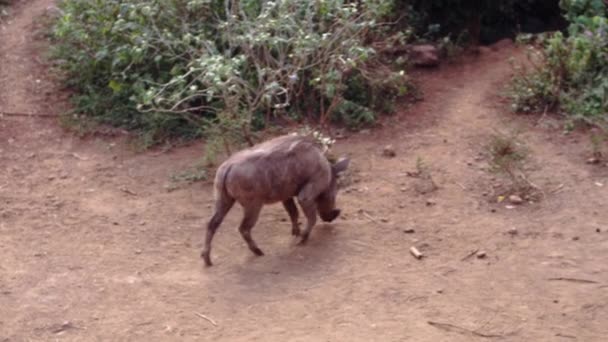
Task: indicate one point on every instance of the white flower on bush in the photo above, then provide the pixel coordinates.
(323, 140)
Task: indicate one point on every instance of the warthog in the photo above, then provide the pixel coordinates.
(276, 171)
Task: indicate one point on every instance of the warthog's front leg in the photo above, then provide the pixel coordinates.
(292, 210)
(310, 211)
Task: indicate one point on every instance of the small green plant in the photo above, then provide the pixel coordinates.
(597, 145)
(196, 173)
(568, 73)
(507, 153)
(507, 156)
(421, 168)
(424, 180)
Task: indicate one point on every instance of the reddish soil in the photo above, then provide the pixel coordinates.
(94, 246)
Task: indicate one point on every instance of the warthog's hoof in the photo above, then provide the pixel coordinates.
(207, 258)
(295, 231)
(257, 251)
(303, 240)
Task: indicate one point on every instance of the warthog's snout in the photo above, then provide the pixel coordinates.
(332, 215)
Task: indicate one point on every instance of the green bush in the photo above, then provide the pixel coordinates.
(569, 73)
(219, 68)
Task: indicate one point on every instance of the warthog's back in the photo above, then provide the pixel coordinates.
(274, 170)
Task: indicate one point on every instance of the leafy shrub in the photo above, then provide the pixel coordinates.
(219, 68)
(569, 73)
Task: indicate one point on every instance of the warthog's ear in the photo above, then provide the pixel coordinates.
(341, 165)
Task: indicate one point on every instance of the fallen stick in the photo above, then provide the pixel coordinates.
(127, 191)
(205, 318)
(566, 336)
(557, 189)
(460, 330)
(416, 253)
(44, 115)
(370, 217)
(574, 280)
(470, 254)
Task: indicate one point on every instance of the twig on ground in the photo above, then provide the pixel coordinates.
(205, 318)
(542, 117)
(370, 217)
(77, 156)
(557, 189)
(470, 254)
(127, 191)
(460, 330)
(565, 336)
(44, 115)
(574, 280)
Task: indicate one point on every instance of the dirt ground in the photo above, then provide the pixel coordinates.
(94, 246)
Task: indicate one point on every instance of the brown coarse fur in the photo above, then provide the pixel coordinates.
(276, 171)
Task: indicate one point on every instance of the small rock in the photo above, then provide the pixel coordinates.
(501, 44)
(509, 206)
(575, 238)
(401, 206)
(593, 161)
(365, 131)
(440, 291)
(597, 230)
(515, 199)
(142, 223)
(389, 151)
(403, 189)
(409, 230)
(384, 220)
(481, 254)
(513, 231)
(138, 251)
(424, 55)
(430, 202)
(484, 50)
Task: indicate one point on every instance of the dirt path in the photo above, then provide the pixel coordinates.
(94, 247)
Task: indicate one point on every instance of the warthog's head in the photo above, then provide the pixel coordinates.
(326, 202)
